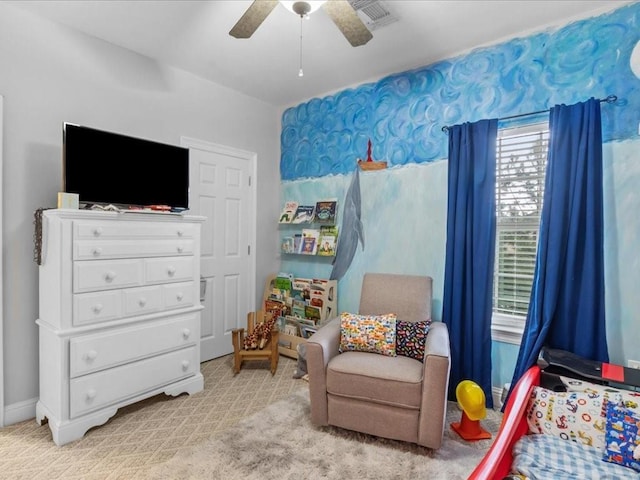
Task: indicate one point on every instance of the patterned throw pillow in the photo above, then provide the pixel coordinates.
(411, 338)
(622, 437)
(368, 333)
(578, 416)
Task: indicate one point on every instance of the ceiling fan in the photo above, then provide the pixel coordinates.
(340, 11)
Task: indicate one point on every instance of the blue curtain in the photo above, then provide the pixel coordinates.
(567, 310)
(471, 232)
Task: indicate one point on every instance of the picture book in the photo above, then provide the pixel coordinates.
(313, 313)
(325, 211)
(304, 214)
(297, 242)
(297, 308)
(300, 290)
(309, 246)
(316, 299)
(289, 210)
(328, 240)
(310, 239)
(282, 283)
(287, 245)
(327, 246)
(329, 230)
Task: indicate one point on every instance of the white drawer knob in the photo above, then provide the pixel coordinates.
(185, 365)
(97, 308)
(97, 232)
(185, 333)
(180, 233)
(97, 251)
(180, 249)
(91, 394)
(171, 271)
(142, 302)
(179, 296)
(110, 276)
(90, 356)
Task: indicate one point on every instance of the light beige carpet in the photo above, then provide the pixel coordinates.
(149, 432)
(279, 443)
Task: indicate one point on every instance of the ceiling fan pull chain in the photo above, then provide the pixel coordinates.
(300, 72)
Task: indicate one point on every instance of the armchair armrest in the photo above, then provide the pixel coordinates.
(435, 386)
(322, 346)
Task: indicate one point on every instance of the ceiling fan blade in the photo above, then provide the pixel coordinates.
(347, 20)
(252, 18)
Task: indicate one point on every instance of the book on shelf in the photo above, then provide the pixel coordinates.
(297, 242)
(282, 283)
(327, 246)
(328, 240)
(316, 299)
(313, 313)
(310, 239)
(325, 211)
(277, 294)
(288, 211)
(297, 308)
(288, 245)
(304, 214)
(309, 246)
(329, 230)
(291, 327)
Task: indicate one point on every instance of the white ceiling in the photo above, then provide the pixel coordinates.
(193, 35)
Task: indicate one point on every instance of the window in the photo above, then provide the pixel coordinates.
(521, 160)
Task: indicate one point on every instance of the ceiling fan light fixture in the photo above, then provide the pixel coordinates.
(302, 9)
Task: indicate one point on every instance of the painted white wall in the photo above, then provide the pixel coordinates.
(49, 75)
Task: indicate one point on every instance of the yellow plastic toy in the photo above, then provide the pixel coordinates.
(471, 400)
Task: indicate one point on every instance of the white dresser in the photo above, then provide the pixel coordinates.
(119, 314)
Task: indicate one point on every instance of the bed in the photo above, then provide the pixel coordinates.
(519, 450)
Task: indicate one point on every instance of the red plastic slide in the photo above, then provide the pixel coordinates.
(496, 464)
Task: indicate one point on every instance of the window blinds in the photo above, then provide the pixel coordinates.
(521, 160)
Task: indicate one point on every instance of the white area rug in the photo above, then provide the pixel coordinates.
(279, 443)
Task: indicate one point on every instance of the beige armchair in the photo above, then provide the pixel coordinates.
(393, 397)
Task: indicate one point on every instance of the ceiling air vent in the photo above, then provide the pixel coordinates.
(373, 13)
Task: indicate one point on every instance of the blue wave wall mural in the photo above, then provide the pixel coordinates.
(404, 113)
(404, 206)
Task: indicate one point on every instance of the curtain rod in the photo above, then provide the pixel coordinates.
(609, 99)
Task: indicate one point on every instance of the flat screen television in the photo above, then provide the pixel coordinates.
(110, 168)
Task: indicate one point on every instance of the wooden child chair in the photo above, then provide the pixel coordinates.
(259, 343)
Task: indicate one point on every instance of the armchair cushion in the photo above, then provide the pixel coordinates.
(368, 333)
(411, 338)
(375, 378)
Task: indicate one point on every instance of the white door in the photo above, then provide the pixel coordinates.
(1, 306)
(221, 189)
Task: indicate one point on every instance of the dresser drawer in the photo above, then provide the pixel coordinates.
(178, 295)
(90, 353)
(105, 249)
(169, 269)
(98, 390)
(86, 229)
(106, 274)
(96, 307)
(138, 301)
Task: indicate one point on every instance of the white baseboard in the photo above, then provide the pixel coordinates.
(496, 394)
(19, 412)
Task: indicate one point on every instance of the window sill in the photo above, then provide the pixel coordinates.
(507, 328)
